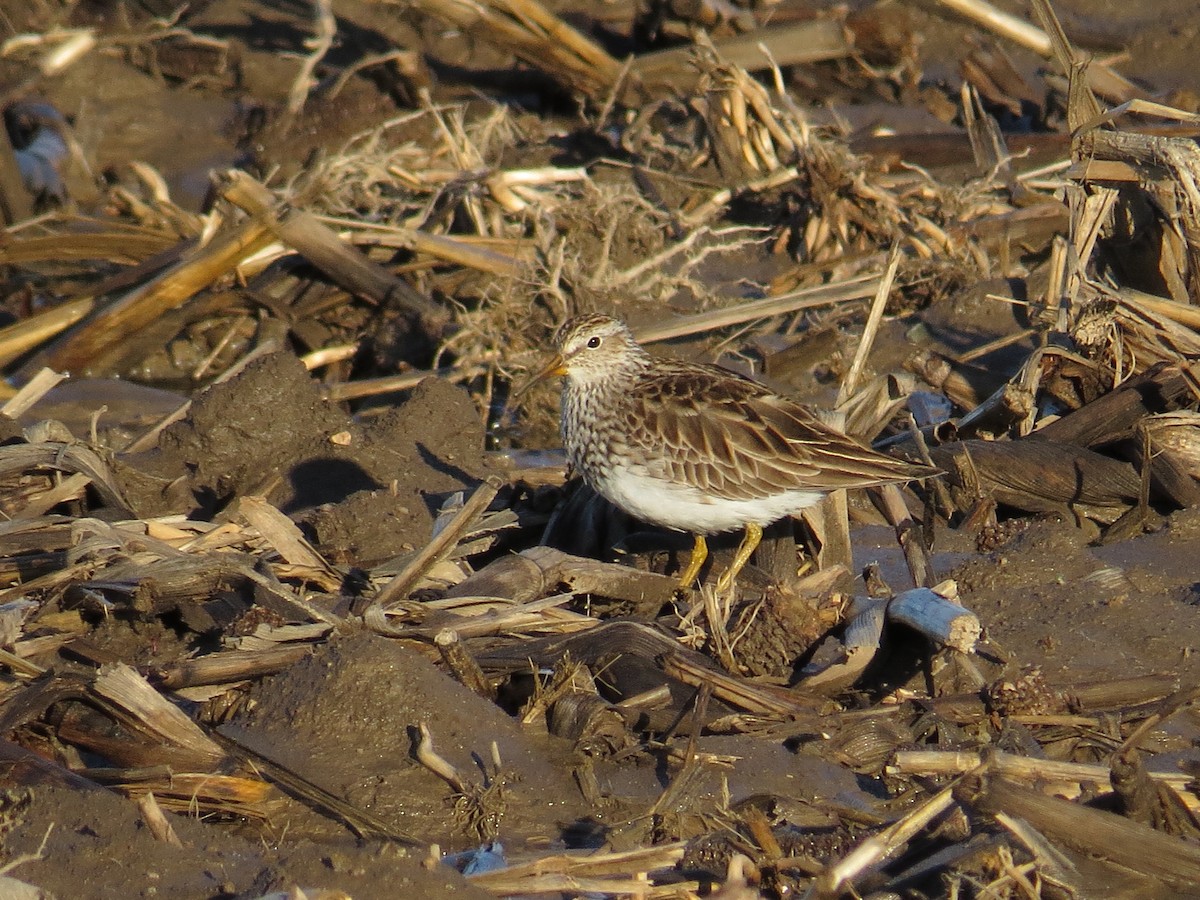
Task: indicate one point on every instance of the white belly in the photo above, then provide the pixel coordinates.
(685, 508)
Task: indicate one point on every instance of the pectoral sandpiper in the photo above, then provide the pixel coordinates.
(698, 448)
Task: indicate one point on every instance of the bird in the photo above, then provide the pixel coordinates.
(697, 448)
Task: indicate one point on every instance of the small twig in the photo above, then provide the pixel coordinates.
(28, 857)
(37, 387)
(1045, 854)
(850, 382)
(462, 664)
(875, 850)
(442, 544)
(1166, 708)
(896, 511)
(438, 765)
(156, 820)
(656, 262)
(857, 288)
(941, 493)
(366, 62)
(319, 44)
(614, 92)
(1015, 29)
(341, 391)
(999, 343)
(230, 332)
(714, 205)
(328, 356)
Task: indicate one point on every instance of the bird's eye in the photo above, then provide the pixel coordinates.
(593, 343)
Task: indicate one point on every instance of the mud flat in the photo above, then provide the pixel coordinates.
(297, 599)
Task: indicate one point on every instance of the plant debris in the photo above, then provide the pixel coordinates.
(299, 597)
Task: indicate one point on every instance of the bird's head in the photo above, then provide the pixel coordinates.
(591, 348)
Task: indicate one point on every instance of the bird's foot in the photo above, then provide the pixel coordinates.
(750, 541)
(687, 578)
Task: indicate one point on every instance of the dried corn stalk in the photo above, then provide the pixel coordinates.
(749, 137)
(1135, 218)
(538, 38)
(762, 140)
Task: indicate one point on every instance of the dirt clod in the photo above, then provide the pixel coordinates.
(220, 581)
(347, 718)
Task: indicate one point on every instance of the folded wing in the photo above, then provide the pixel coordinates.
(735, 439)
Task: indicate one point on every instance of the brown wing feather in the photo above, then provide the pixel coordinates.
(735, 439)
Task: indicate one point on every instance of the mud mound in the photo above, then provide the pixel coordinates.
(415, 454)
(226, 590)
(270, 432)
(348, 716)
(255, 434)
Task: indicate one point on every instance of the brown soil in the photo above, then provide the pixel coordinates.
(351, 711)
(366, 490)
(269, 432)
(96, 845)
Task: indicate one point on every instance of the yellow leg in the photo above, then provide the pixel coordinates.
(748, 545)
(699, 555)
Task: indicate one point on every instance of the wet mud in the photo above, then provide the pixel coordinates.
(1064, 604)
